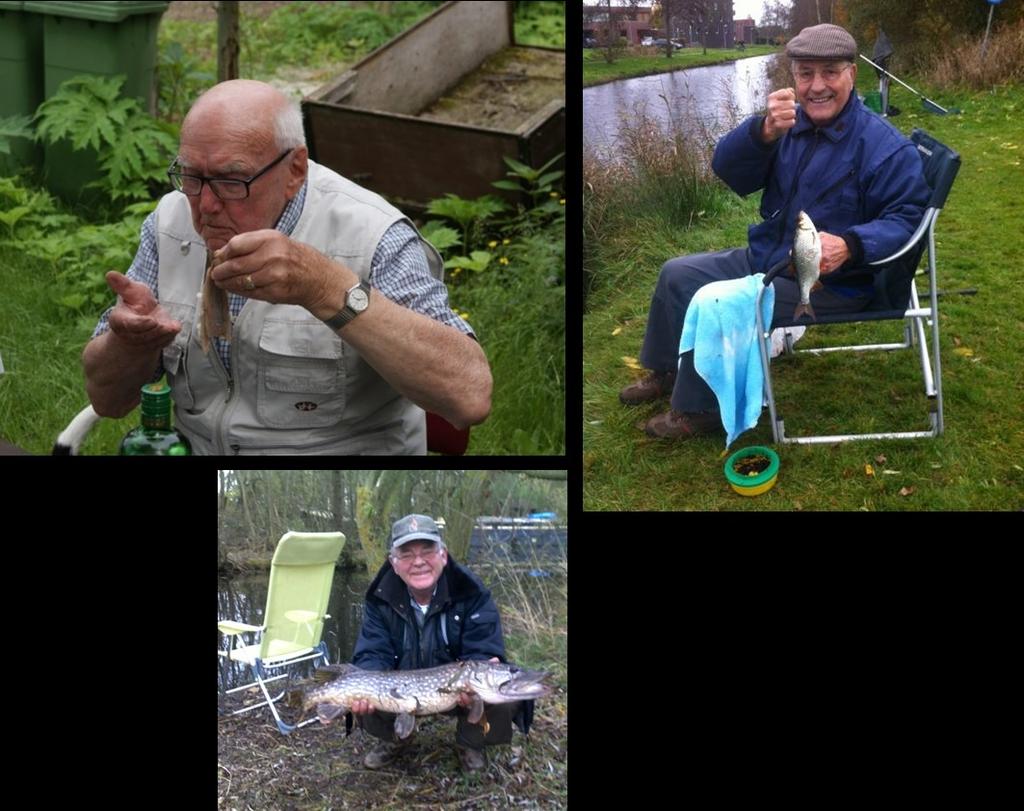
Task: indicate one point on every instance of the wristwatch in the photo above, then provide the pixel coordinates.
(357, 299)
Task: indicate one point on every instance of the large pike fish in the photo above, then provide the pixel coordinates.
(410, 693)
(806, 262)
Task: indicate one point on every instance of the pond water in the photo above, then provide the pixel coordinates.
(244, 599)
(707, 101)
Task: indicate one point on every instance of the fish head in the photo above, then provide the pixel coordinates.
(501, 683)
(803, 222)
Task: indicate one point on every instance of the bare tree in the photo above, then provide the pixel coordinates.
(227, 40)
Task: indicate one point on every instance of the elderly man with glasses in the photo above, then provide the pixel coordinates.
(423, 610)
(340, 332)
(818, 149)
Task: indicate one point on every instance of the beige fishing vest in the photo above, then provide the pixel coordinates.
(295, 387)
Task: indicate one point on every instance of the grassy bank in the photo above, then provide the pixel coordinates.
(975, 465)
(318, 767)
(645, 61)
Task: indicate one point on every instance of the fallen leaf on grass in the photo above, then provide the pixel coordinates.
(868, 470)
(616, 331)
(632, 363)
(963, 352)
(906, 491)
(880, 458)
(891, 472)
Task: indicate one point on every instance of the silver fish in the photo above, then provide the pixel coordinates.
(807, 262)
(421, 692)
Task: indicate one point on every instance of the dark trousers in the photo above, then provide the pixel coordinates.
(499, 716)
(680, 279)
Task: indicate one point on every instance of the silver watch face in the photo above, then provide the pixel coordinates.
(358, 300)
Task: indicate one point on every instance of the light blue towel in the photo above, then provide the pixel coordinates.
(721, 329)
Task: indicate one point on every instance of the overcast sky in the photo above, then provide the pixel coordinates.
(748, 8)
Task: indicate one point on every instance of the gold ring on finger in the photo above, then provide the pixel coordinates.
(249, 283)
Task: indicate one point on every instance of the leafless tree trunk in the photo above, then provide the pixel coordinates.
(227, 40)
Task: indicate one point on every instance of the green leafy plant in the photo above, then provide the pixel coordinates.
(477, 260)
(134, 149)
(440, 236)
(180, 78)
(79, 253)
(469, 214)
(539, 183)
(29, 214)
(15, 126)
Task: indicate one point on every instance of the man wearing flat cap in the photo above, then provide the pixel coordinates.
(817, 150)
(423, 610)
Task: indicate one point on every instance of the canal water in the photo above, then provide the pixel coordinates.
(536, 552)
(705, 102)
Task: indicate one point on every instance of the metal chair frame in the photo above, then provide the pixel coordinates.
(914, 315)
(301, 575)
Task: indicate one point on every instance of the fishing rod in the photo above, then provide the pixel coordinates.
(928, 103)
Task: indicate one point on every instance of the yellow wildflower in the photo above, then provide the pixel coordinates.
(503, 260)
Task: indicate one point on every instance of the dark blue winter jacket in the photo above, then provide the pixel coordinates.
(461, 623)
(857, 178)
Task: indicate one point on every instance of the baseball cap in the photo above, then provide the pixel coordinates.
(414, 528)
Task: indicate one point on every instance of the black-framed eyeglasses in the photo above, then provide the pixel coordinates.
(224, 188)
(407, 555)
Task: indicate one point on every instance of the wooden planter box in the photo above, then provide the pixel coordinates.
(369, 124)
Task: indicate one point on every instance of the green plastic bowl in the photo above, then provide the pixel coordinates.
(753, 485)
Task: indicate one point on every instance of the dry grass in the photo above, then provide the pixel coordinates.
(963, 66)
(666, 177)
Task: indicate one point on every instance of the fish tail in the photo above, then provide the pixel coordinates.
(803, 308)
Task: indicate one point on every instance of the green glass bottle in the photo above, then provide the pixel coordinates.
(156, 436)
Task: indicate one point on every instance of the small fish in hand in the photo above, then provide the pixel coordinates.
(216, 318)
(806, 262)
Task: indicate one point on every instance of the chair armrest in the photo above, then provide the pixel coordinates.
(775, 270)
(230, 628)
(926, 221)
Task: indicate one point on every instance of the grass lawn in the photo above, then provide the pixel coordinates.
(597, 71)
(978, 464)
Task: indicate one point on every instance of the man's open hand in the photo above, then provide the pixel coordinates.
(138, 319)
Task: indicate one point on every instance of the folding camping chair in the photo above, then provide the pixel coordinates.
(894, 283)
(301, 574)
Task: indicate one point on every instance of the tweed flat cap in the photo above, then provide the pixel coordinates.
(823, 41)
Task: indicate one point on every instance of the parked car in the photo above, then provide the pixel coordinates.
(589, 42)
(646, 41)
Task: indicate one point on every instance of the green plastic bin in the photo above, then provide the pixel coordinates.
(21, 78)
(98, 38)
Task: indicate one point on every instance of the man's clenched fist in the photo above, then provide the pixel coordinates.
(781, 114)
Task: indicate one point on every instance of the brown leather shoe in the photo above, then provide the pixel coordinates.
(655, 385)
(472, 760)
(678, 425)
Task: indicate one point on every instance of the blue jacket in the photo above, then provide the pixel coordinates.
(857, 178)
(461, 623)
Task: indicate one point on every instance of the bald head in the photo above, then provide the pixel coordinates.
(246, 112)
(242, 130)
